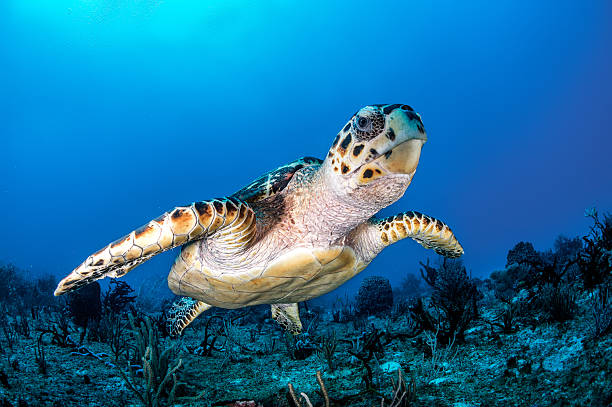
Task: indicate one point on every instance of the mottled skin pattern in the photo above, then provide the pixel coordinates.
(293, 234)
(183, 312)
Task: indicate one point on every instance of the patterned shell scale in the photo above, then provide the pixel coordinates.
(274, 181)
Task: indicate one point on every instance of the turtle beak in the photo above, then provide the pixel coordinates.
(402, 159)
(402, 146)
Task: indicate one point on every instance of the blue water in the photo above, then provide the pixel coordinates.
(113, 112)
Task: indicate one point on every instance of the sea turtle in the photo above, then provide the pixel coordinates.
(294, 233)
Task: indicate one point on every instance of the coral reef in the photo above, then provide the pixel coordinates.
(596, 259)
(375, 296)
(453, 301)
(156, 366)
(538, 332)
(85, 305)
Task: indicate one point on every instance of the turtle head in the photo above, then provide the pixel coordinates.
(375, 155)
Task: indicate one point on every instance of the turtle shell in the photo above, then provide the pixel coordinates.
(274, 181)
(295, 276)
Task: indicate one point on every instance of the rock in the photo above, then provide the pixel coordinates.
(512, 362)
(553, 363)
(14, 362)
(524, 366)
(390, 367)
(440, 380)
(475, 329)
(522, 295)
(82, 372)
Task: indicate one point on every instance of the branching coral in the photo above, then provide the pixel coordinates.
(160, 367)
(39, 354)
(304, 397)
(601, 322)
(454, 299)
(595, 261)
(327, 348)
(60, 331)
(403, 394)
(118, 297)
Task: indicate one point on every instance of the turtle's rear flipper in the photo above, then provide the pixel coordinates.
(182, 313)
(287, 315)
(172, 229)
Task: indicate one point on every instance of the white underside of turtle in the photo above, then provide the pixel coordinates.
(295, 233)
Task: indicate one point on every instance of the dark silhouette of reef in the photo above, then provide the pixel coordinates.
(536, 333)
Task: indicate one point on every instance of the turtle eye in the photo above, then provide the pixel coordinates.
(364, 123)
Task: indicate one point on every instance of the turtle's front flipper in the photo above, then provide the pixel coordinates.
(172, 229)
(431, 233)
(183, 312)
(288, 316)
